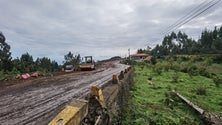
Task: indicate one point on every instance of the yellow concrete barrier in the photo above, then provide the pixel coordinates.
(94, 91)
(115, 79)
(72, 114)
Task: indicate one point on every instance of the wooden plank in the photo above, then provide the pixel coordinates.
(209, 117)
(198, 109)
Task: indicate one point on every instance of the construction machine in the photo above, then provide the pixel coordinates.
(69, 68)
(87, 64)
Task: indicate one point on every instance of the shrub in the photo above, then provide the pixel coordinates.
(158, 69)
(2, 77)
(204, 72)
(170, 61)
(166, 68)
(153, 60)
(142, 66)
(197, 59)
(175, 78)
(149, 78)
(184, 58)
(217, 81)
(208, 62)
(8, 75)
(217, 59)
(184, 68)
(201, 90)
(192, 70)
(176, 67)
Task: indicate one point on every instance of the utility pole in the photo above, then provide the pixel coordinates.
(129, 54)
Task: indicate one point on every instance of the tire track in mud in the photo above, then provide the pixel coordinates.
(38, 105)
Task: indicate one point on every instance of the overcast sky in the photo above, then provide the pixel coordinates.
(102, 28)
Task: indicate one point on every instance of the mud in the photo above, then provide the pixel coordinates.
(37, 101)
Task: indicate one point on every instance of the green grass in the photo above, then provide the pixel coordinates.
(215, 68)
(152, 103)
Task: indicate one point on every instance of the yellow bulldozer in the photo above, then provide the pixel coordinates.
(87, 64)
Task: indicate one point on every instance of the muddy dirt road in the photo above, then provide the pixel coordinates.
(39, 101)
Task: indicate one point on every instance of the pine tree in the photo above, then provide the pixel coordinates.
(5, 54)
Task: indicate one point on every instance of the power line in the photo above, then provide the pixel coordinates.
(194, 15)
(195, 12)
(186, 16)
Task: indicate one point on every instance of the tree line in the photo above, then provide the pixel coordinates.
(26, 64)
(210, 42)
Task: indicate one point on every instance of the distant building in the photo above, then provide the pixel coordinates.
(139, 57)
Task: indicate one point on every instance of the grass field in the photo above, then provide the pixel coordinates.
(215, 68)
(153, 103)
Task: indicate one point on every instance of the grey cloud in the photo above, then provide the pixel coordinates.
(102, 28)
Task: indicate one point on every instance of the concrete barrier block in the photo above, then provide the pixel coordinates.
(115, 79)
(121, 76)
(72, 114)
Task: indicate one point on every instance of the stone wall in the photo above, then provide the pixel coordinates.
(116, 95)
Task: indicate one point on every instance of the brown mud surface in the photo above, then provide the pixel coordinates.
(38, 100)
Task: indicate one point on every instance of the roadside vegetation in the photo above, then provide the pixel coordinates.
(198, 78)
(190, 67)
(10, 68)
